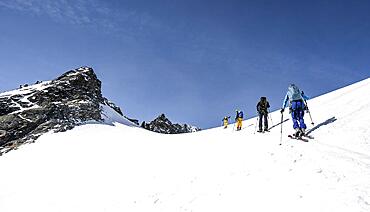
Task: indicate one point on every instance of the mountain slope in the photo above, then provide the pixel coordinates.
(163, 125)
(58, 105)
(116, 167)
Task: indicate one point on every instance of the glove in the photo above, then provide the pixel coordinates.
(282, 110)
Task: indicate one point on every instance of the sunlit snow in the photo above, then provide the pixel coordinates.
(119, 167)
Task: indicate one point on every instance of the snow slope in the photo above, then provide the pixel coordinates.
(110, 116)
(116, 167)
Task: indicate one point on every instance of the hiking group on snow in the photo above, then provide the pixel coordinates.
(297, 106)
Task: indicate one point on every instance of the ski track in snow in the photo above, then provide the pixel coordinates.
(119, 167)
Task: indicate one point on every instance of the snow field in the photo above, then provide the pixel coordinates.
(115, 167)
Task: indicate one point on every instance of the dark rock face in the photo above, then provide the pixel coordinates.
(135, 121)
(56, 105)
(112, 105)
(163, 125)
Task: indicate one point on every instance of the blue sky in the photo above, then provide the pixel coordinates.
(196, 61)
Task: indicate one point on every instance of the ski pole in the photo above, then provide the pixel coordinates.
(281, 128)
(255, 127)
(272, 123)
(309, 113)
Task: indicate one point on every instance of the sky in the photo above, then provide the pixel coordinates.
(194, 60)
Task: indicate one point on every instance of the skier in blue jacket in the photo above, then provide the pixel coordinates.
(297, 107)
(239, 119)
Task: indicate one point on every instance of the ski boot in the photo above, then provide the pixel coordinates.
(303, 132)
(297, 133)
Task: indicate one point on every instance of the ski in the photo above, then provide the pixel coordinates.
(298, 138)
(264, 131)
(308, 136)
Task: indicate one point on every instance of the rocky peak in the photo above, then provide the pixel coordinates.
(56, 105)
(163, 125)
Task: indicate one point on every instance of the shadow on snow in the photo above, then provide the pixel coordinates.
(329, 121)
(278, 124)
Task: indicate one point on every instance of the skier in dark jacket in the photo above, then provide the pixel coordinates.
(297, 107)
(262, 109)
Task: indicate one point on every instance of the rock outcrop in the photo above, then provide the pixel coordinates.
(61, 104)
(163, 125)
(58, 105)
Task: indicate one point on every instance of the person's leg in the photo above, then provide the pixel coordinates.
(260, 122)
(294, 115)
(302, 125)
(295, 119)
(300, 114)
(265, 121)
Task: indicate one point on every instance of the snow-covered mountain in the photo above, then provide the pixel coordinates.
(162, 124)
(117, 167)
(58, 105)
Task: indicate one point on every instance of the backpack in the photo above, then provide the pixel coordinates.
(294, 93)
(240, 114)
(263, 106)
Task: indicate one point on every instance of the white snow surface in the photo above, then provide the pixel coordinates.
(116, 167)
(28, 89)
(111, 117)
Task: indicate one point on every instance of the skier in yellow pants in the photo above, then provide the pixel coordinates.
(225, 121)
(239, 119)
